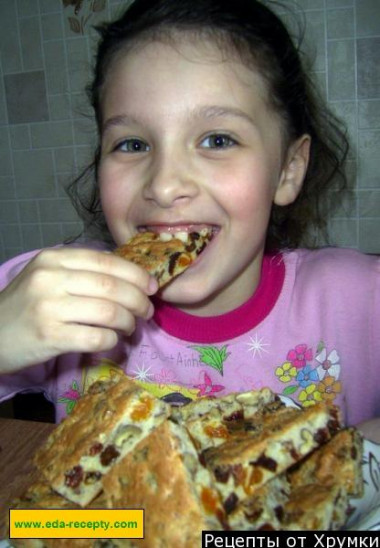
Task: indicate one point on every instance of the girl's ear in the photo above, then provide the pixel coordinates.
(293, 172)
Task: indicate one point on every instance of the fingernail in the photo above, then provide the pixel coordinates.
(153, 286)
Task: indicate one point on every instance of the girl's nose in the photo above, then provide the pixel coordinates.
(170, 180)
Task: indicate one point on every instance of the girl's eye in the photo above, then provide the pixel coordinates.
(218, 140)
(132, 145)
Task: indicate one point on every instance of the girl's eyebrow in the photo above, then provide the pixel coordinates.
(206, 111)
(118, 120)
(217, 111)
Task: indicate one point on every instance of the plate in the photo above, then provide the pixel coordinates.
(366, 515)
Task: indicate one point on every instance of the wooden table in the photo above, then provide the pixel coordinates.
(18, 443)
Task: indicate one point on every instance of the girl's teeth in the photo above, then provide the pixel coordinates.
(167, 236)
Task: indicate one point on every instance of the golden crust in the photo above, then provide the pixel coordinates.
(315, 507)
(80, 451)
(161, 477)
(338, 462)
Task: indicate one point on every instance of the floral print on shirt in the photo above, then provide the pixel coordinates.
(310, 376)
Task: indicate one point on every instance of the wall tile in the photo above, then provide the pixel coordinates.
(50, 6)
(51, 134)
(9, 38)
(51, 234)
(78, 63)
(339, 3)
(64, 159)
(369, 161)
(11, 235)
(7, 187)
(369, 114)
(341, 70)
(8, 211)
(27, 8)
(369, 235)
(26, 97)
(20, 137)
(368, 68)
(367, 17)
(52, 26)
(346, 111)
(85, 132)
(3, 108)
(28, 211)
(57, 210)
(60, 107)
(343, 232)
(315, 39)
(56, 67)
(31, 236)
(5, 153)
(369, 203)
(34, 174)
(31, 49)
(340, 23)
(71, 231)
(369, 172)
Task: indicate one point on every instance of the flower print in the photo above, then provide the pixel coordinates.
(300, 355)
(328, 364)
(329, 387)
(307, 375)
(310, 395)
(165, 376)
(207, 388)
(70, 397)
(286, 372)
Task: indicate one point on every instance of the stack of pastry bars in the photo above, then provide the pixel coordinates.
(242, 462)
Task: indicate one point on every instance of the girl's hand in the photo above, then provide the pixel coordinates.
(70, 300)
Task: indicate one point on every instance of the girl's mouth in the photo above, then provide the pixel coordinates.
(180, 231)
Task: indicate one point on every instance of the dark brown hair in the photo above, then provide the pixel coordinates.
(254, 32)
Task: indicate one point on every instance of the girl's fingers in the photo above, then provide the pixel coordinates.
(97, 312)
(86, 338)
(110, 289)
(97, 261)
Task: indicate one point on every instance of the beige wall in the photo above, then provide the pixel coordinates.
(45, 137)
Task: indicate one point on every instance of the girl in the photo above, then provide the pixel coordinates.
(206, 119)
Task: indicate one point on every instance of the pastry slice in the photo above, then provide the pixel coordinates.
(212, 421)
(165, 255)
(261, 511)
(338, 462)
(315, 507)
(106, 424)
(267, 445)
(228, 407)
(164, 476)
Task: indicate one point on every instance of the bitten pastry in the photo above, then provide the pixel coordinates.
(165, 255)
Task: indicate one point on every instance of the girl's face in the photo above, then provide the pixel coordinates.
(188, 140)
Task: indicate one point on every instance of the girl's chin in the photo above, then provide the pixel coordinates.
(183, 293)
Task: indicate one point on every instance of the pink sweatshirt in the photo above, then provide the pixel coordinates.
(310, 332)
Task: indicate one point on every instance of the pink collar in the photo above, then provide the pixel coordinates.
(232, 324)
